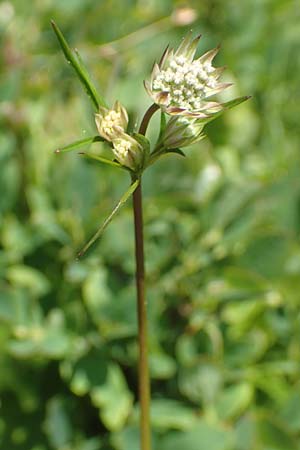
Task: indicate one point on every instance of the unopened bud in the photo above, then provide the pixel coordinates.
(128, 151)
(181, 132)
(110, 123)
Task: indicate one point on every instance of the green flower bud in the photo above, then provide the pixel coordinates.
(128, 151)
(182, 131)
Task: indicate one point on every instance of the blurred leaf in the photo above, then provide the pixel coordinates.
(275, 437)
(234, 401)
(203, 437)
(291, 412)
(113, 398)
(88, 372)
(28, 278)
(162, 366)
(127, 439)
(171, 414)
(201, 383)
(57, 424)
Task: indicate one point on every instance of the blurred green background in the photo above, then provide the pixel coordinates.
(222, 230)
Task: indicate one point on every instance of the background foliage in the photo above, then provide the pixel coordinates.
(222, 229)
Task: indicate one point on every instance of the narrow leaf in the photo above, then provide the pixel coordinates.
(226, 105)
(103, 160)
(107, 221)
(80, 70)
(80, 143)
(236, 101)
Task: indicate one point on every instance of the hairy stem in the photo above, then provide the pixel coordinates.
(144, 378)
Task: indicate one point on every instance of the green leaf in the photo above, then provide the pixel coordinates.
(226, 106)
(274, 436)
(290, 413)
(236, 101)
(78, 144)
(172, 414)
(80, 70)
(28, 278)
(203, 437)
(57, 424)
(234, 400)
(88, 373)
(201, 383)
(107, 221)
(113, 398)
(103, 160)
(127, 439)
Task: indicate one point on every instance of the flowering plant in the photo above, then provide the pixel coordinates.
(180, 87)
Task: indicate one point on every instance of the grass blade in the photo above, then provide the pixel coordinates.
(107, 221)
(80, 143)
(80, 70)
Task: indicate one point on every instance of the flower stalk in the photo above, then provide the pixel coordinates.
(144, 377)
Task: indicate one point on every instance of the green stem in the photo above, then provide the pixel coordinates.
(144, 377)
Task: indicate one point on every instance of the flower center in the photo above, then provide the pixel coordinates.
(110, 121)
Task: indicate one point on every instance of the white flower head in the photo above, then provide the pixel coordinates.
(181, 85)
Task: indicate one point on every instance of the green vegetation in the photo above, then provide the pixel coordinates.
(221, 225)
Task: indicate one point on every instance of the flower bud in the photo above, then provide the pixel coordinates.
(110, 123)
(128, 151)
(182, 131)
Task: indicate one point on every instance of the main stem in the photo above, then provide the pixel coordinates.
(144, 378)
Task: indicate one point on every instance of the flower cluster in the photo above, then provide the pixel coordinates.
(181, 85)
(111, 125)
